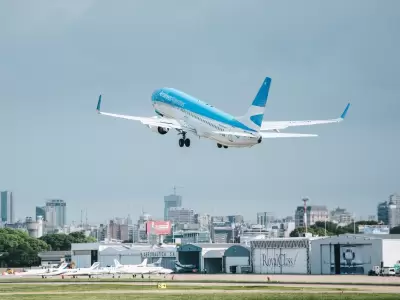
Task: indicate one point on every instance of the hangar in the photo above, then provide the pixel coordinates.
(354, 254)
(85, 254)
(235, 258)
(214, 258)
(281, 256)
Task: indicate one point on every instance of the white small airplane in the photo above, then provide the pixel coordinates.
(36, 271)
(84, 271)
(124, 269)
(187, 114)
(156, 263)
(61, 270)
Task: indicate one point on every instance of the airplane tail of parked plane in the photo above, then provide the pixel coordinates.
(117, 264)
(95, 265)
(255, 114)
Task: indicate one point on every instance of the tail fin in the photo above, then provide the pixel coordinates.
(117, 264)
(255, 114)
(144, 263)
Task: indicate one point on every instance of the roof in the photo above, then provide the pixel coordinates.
(214, 254)
(237, 251)
(203, 246)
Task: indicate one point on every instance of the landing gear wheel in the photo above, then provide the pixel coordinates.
(225, 147)
(187, 142)
(219, 145)
(181, 142)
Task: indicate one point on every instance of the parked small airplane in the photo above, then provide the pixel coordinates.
(84, 271)
(187, 114)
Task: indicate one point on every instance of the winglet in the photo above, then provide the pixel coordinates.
(98, 104)
(345, 111)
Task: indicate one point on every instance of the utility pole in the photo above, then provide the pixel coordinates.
(305, 200)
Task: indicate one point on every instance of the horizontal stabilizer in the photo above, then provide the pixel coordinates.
(278, 125)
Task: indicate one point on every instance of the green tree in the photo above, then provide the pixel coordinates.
(20, 248)
(62, 242)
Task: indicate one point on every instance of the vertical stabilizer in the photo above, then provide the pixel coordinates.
(255, 114)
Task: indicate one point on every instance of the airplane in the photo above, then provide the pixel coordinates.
(84, 271)
(156, 263)
(31, 272)
(186, 114)
(63, 269)
(126, 268)
(180, 268)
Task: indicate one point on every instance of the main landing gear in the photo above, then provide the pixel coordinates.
(220, 146)
(184, 141)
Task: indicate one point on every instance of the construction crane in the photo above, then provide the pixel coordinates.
(177, 187)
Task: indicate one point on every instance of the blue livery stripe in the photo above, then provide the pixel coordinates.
(262, 95)
(186, 102)
(257, 119)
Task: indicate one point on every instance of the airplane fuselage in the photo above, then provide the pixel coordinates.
(202, 118)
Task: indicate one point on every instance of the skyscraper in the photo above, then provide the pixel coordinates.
(56, 213)
(171, 201)
(7, 207)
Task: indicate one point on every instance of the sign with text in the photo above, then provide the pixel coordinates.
(158, 227)
(158, 254)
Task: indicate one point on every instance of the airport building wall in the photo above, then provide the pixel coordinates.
(84, 255)
(353, 254)
(214, 258)
(281, 256)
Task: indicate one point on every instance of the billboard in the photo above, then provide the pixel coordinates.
(280, 260)
(158, 227)
(374, 229)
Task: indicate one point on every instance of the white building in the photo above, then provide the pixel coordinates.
(281, 256)
(353, 254)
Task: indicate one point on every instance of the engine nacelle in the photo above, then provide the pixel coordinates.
(160, 130)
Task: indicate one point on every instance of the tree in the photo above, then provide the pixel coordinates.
(318, 229)
(21, 249)
(62, 241)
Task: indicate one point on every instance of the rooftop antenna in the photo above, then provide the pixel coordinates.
(86, 218)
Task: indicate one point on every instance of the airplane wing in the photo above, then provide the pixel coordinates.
(266, 135)
(277, 125)
(151, 121)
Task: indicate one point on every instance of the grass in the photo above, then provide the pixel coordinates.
(227, 296)
(128, 280)
(15, 288)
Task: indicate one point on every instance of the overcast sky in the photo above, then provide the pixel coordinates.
(56, 57)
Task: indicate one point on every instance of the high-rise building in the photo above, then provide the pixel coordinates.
(169, 202)
(57, 209)
(264, 218)
(7, 207)
(315, 213)
(41, 211)
(181, 215)
(383, 212)
(341, 216)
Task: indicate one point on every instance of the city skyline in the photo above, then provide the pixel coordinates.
(41, 210)
(57, 57)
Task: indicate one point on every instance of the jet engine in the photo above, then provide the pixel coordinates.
(160, 130)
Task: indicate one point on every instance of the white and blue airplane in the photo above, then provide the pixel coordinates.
(186, 114)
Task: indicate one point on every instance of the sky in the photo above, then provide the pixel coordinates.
(56, 57)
